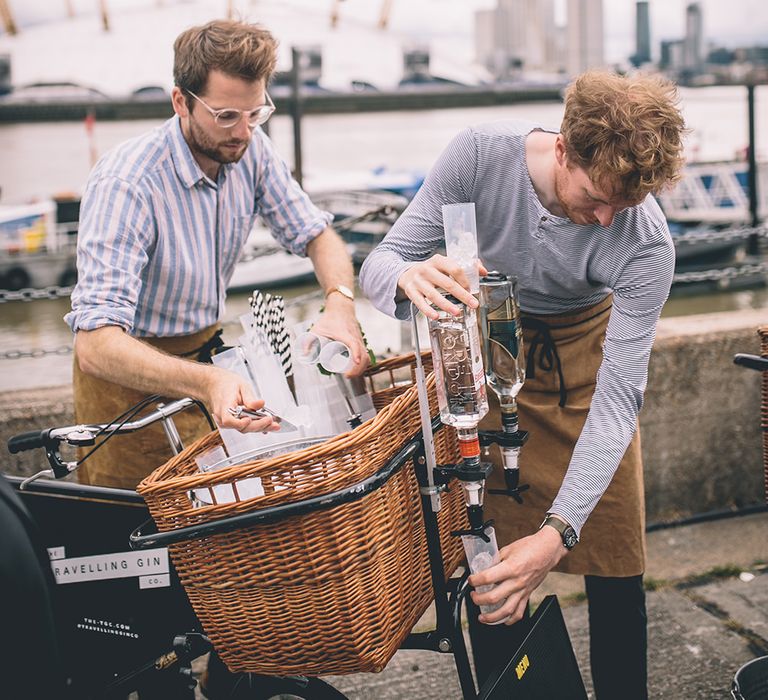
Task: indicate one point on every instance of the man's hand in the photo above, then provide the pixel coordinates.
(338, 321)
(524, 565)
(226, 390)
(421, 282)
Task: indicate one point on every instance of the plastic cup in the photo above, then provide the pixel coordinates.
(335, 357)
(481, 555)
(308, 346)
(460, 227)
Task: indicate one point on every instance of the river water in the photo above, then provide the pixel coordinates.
(38, 160)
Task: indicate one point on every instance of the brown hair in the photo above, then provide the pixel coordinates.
(625, 132)
(237, 49)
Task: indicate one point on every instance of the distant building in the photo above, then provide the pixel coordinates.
(515, 35)
(642, 34)
(693, 44)
(585, 42)
(672, 52)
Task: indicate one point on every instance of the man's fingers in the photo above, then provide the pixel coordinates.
(493, 574)
(455, 285)
(421, 302)
(510, 612)
(252, 402)
(432, 296)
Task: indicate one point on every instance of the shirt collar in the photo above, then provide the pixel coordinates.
(187, 168)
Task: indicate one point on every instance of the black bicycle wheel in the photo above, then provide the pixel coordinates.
(251, 686)
(266, 688)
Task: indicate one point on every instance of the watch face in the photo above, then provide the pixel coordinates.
(569, 538)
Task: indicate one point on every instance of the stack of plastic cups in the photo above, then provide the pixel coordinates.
(461, 240)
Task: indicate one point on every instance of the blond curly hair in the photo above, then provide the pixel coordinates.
(625, 132)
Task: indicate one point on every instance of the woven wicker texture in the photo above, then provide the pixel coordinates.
(329, 592)
(763, 331)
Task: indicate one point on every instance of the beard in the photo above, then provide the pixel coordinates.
(228, 151)
(570, 213)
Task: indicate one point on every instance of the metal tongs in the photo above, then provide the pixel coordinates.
(242, 411)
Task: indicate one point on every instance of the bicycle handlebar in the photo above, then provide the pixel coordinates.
(28, 441)
(79, 435)
(751, 361)
(84, 435)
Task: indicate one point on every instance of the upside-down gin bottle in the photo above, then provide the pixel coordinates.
(502, 343)
(463, 401)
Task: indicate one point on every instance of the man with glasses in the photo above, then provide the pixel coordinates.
(163, 221)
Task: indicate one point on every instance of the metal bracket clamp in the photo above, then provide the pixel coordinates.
(462, 473)
(502, 439)
(435, 490)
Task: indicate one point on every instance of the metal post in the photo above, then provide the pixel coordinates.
(296, 113)
(752, 171)
(104, 12)
(7, 17)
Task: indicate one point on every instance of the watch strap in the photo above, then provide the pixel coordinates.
(567, 533)
(341, 289)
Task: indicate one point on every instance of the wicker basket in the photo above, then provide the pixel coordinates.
(763, 331)
(330, 592)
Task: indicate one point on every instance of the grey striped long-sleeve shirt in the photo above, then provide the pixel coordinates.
(561, 267)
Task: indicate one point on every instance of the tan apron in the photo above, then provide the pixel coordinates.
(612, 541)
(126, 459)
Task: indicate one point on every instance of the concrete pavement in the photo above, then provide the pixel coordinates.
(707, 615)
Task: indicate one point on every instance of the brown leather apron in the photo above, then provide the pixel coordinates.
(612, 541)
(126, 459)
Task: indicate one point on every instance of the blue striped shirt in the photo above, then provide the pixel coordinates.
(561, 267)
(158, 240)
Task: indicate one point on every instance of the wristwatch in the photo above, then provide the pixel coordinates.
(566, 531)
(341, 289)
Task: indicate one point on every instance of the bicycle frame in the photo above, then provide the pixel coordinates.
(125, 613)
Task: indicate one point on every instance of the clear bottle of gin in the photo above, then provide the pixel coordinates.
(502, 336)
(459, 373)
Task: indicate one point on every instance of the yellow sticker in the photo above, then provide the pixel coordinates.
(522, 667)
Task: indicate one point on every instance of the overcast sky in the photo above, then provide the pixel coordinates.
(728, 22)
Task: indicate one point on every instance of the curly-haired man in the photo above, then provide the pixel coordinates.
(570, 213)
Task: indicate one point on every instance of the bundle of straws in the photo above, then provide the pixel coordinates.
(268, 313)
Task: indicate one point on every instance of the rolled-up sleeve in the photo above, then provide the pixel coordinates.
(114, 242)
(286, 209)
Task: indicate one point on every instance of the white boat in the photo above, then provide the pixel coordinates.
(715, 193)
(35, 250)
(265, 264)
(362, 217)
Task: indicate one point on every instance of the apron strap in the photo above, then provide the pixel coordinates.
(545, 345)
(210, 347)
(547, 350)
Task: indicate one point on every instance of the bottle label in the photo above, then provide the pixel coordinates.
(504, 332)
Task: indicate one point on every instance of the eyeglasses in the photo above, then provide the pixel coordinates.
(229, 116)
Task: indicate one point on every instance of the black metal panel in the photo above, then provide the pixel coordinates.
(544, 667)
(110, 626)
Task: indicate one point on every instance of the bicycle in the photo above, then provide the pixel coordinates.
(117, 636)
(751, 680)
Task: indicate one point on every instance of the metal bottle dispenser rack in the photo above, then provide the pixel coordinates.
(460, 379)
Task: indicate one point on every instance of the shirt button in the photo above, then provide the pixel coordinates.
(543, 219)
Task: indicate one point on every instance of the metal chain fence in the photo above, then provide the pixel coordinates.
(722, 276)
